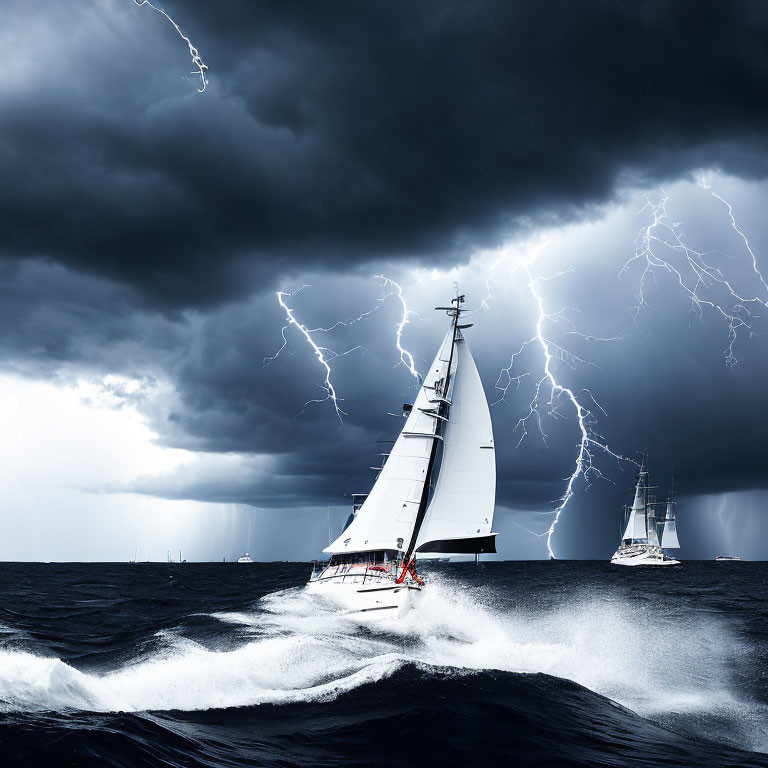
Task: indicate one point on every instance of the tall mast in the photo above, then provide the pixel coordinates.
(650, 512)
(647, 500)
(671, 503)
(442, 407)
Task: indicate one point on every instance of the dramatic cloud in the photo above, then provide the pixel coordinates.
(334, 134)
(145, 226)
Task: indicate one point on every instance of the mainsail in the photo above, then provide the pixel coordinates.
(387, 517)
(451, 411)
(637, 524)
(669, 532)
(459, 516)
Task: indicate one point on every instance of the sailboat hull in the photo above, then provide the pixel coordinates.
(640, 554)
(372, 601)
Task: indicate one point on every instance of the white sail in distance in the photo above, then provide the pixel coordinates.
(653, 535)
(669, 532)
(640, 543)
(387, 517)
(460, 513)
(636, 529)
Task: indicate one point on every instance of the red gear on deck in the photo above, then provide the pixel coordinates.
(410, 568)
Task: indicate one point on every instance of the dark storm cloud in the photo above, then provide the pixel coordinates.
(337, 133)
(143, 223)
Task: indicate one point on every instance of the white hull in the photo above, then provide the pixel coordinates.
(363, 594)
(641, 554)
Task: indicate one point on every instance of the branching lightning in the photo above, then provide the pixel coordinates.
(703, 278)
(550, 387)
(704, 185)
(696, 278)
(196, 60)
(323, 354)
(584, 465)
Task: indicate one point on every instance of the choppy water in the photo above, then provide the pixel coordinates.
(507, 663)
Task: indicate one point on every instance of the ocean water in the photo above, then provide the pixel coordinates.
(524, 664)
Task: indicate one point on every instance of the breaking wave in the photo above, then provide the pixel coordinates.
(291, 648)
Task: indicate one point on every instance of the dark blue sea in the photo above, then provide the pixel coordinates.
(521, 664)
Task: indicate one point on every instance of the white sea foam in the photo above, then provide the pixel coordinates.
(190, 677)
(298, 648)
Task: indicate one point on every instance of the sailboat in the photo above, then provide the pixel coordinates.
(640, 544)
(434, 493)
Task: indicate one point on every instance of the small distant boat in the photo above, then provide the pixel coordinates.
(726, 558)
(640, 544)
(246, 558)
(434, 493)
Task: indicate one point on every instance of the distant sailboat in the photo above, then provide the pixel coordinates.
(434, 493)
(640, 544)
(727, 558)
(246, 558)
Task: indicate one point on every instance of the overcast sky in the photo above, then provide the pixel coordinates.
(519, 149)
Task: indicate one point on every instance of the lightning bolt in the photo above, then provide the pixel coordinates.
(196, 60)
(755, 268)
(270, 358)
(323, 354)
(584, 465)
(551, 396)
(549, 386)
(696, 277)
(703, 276)
(406, 358)
(491, 279)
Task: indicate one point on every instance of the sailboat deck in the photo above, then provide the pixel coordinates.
(356, 573)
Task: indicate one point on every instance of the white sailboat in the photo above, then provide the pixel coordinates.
(246, 558)
(434, 493)
(640, 544)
